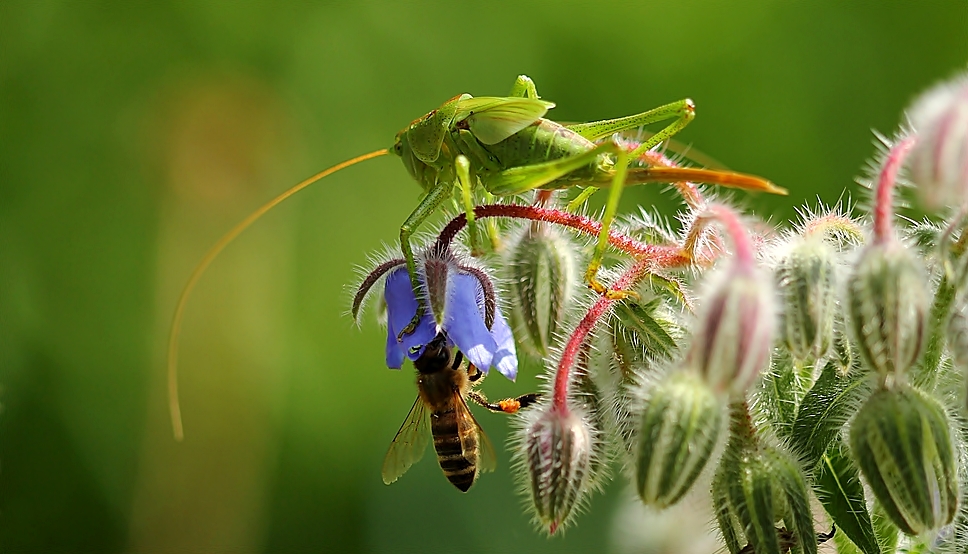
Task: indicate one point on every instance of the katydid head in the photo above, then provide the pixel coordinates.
(419, 144)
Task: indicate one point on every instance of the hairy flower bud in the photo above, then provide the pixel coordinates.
(755, 487)
(542, 281)
(939, 160)
(557, 456)
(734, 333)
(806, 279)
(680, 424)
(901, 442)
(889, 303)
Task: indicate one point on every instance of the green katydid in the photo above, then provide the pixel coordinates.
(506, 147)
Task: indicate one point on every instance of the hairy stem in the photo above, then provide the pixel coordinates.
(742, 244)
(927, 370)
(884, 193)
(572, 349)
(659, 256)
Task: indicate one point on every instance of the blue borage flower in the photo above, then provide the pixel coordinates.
(462, 305)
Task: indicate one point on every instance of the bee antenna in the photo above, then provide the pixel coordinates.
(173, 406)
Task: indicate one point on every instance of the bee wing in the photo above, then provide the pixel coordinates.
(486, 460)
(409, 444)
(493, 119)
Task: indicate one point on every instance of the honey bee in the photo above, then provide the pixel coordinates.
(440, 411)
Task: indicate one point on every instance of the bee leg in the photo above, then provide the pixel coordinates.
(508, 405)
(474, 375)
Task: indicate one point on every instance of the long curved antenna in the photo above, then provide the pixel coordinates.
(174, 407)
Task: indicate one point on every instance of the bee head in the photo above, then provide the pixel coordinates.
(436, 356)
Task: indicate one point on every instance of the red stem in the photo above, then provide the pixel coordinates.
(585, 326)
(659, 256)
(883, 195)
(742, 244)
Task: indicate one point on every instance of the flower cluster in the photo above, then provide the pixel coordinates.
(816, 375)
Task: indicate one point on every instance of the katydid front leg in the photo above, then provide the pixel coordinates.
(428, 205)
(463, 167)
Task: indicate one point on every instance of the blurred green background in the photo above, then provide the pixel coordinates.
(133, 134)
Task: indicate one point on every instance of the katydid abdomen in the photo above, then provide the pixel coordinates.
(542, 141)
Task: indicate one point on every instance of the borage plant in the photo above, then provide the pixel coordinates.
(821, 365)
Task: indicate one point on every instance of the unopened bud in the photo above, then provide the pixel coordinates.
(756, 486)
(901, 442)
(889, 305)
(679, 428)
(734, 332)
(542, 280)
(807, 284)
(939, 160)
(557, 450)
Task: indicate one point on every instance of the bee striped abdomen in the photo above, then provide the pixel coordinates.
(456, 448)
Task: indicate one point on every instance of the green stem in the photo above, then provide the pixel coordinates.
(927, 371)
(741, 428)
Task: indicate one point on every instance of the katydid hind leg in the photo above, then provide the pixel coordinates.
(682, 111)
(611, 206)
(518, 180)
(524, 88)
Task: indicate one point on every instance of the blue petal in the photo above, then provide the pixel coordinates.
(394, 352)
(464, 321)
(401, 305)
(506, 357)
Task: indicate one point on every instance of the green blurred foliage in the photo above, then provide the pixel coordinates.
(133, 134)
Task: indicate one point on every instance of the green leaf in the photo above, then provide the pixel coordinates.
(838, 487)
(885, 530)
(652, 334)
(667, 286)
(832, 400)
(778, 391)
(844, 545)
